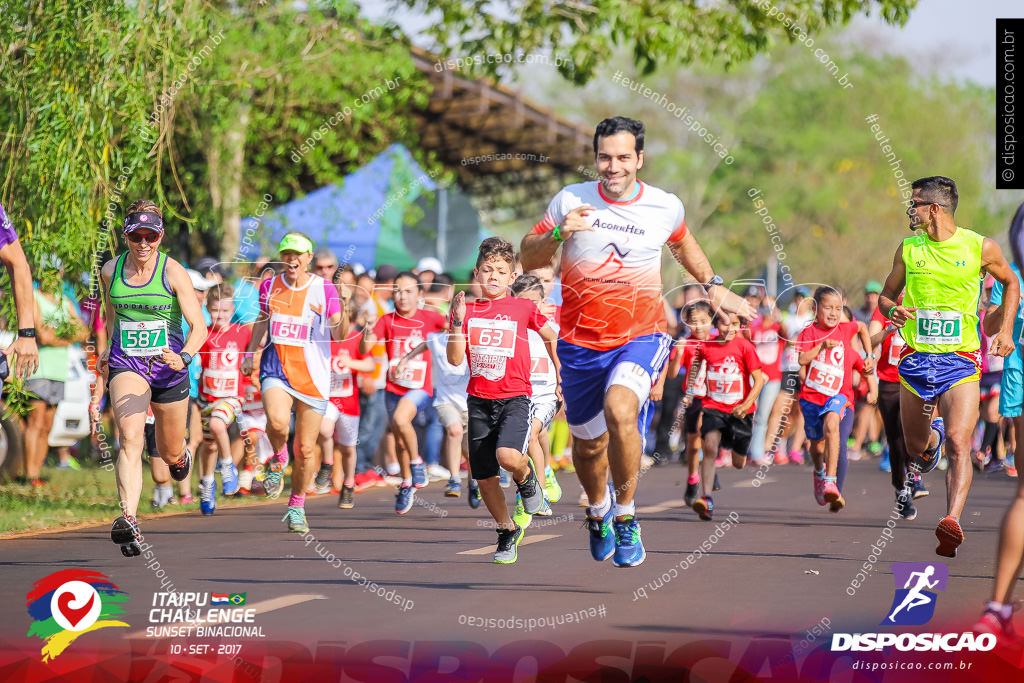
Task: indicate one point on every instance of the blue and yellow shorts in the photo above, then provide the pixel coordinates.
(929, 375)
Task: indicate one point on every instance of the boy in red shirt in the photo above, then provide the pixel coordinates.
(495, 330)
(409, 391)
(734, 379)
(220, 388)
(825, 348)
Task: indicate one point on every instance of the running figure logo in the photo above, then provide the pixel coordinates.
(914, 601)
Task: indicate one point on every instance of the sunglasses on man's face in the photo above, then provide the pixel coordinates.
(137, 237)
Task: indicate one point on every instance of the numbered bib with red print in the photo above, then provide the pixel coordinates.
(825, 378)
(220, 383)
(492, 337)
(725, 386)
(412, 376)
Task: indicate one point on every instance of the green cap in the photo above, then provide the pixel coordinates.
(295, 242)
(873, 287)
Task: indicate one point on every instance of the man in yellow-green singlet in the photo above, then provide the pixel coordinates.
(942, 271)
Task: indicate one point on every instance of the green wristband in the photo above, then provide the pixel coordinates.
(557, 235)
(889, 314)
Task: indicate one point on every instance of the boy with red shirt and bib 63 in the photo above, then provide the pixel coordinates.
(495, 330)
(734, 379)
(220, 389)
(410, 390)
(825, 348)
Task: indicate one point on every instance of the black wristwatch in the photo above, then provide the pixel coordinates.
(27, 332)
(186, 358)
(715, 280)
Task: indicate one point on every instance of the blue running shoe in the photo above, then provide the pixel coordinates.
(474, 494)
(602, 537)
(403, 501)
(419, 474)
(504, 479)
(917, 488)
(629, 549)
(883, 463)
(208, 497)
(927, 461)
(228, 477)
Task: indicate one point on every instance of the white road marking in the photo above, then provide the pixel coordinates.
(661, 507)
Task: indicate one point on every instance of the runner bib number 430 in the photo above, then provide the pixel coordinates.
(145, 338)
(938, 327)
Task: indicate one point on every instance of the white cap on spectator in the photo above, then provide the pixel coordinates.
(358, 269)
(429, 263)
(198, 281)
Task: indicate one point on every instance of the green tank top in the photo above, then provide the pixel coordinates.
(53, 360)
(147, 317)
(944, 284)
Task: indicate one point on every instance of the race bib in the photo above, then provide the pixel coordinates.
(145, 338)
(700, 385)
(725, 387)
(824, 378)
(492, 337)
(540, 370)
(938, 327)
(790, 359)
(342, 384)
(896, 348)
(413, 375)
(220, 383)
(290, 330)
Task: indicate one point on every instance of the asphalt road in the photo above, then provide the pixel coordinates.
(777, 569)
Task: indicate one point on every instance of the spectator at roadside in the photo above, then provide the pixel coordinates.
(871, 291)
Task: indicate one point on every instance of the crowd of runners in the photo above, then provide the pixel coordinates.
(563, 355)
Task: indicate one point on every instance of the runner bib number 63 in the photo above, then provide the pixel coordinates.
(493, 337)
(145, 338)
(938, 327)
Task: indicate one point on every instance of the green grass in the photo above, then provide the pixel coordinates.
(73, 497)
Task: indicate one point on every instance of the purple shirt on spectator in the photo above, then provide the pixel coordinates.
(7, 234)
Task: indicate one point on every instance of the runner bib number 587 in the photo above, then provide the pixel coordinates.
(145, 338)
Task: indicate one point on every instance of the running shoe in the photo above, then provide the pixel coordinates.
(832, 496)
(994, 623)
(691, 493)
(602, 536)
(474, 494)
(716, 486)
(875, 447)
(883, 463)
(546, 510)
(345, 501)
(531, 491)
(125, 532)
(797, 457)
(228, 477)
(377, 479)
(551, 485)
(646, 462)
(994, 465)
(296, 518)
(181, 469)
(363, 481)
(453, 489)
(245, 482)
(819, 488)
(404, 499)
(950, 536)
(322, 481)
(273, 483)
(187, 499)
(905, 504)
(704, 507)
(583, 501)
(208, 497)
(930, 458)
(508, 545)
(854, 454)
(519, 516)
(917, 488)
(781, 458)
(437, 473)
(419, 474)
(629, 549)
(504, 478)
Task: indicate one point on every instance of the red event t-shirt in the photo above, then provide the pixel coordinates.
(891, 348)
(498, 346)
(344, 393)
(729, 367)
(769, 344)
(400, 336)
(831, 371)
(700, 385)
(221, 360)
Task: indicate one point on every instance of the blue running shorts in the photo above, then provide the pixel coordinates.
(814, 415)
(929, 375)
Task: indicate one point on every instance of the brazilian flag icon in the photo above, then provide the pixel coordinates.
(237, 598)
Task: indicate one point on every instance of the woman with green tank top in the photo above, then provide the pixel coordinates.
(146, 293)
(52, 311)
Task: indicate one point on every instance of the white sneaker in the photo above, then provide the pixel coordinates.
(583, 501)
(646, 461)
(245, 480)
(437, 473)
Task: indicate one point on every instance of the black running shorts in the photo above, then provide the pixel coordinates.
(496, 423)
(691, 417)
(735, 431)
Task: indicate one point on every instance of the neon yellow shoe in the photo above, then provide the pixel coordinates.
(551, 486)
(519, 516)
